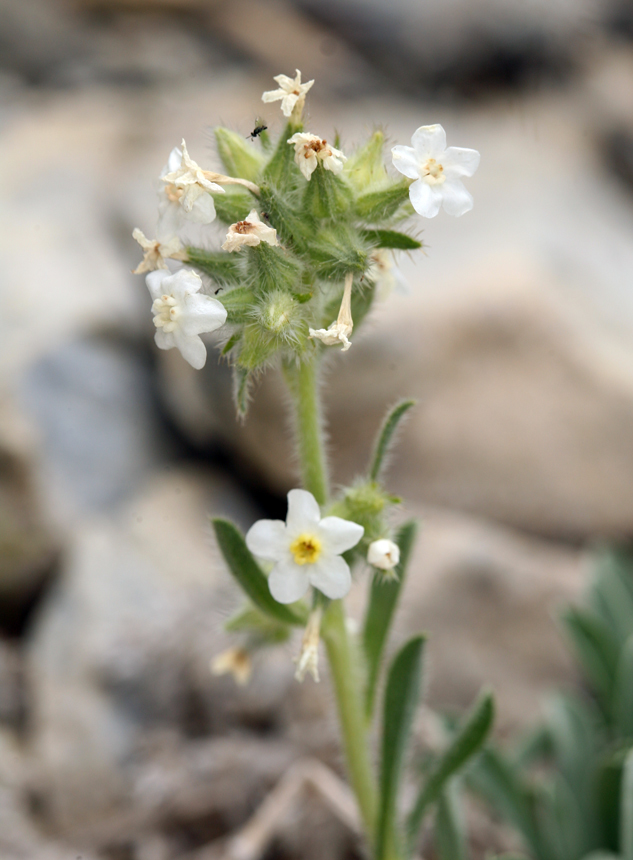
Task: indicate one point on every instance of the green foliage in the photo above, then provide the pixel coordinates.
(383, 204)
(250, 576)
(365, 169)
(234, 204)
(401, 699)
(261, 628)
(391, 239)
(224, 268)
(383, 600)
(569, 790)
(239, 157)
(450, 840)
(467, 742)
(386, 437)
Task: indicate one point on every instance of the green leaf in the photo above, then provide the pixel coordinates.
(626, 809)
(238, 303)
(468, 741)
(601, 855)
(239, 156)
(380, 610)
(327, 195)
(366, 167)
(262, 629)
(401, 699)
(608, 795)
(223, 267)
(377, 206)
(595, 648)
(282, 170)
(391, 239)
(242, 380)
(385, 437)
(449, 836)
(249, 575)
(561, 823)
(271, 268)
(623, 692)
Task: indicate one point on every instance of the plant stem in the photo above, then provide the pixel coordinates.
(345, 675)
(303, 384)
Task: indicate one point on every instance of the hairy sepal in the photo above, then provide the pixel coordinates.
(382, 204)
(365, 169)
(233, 205)
(238, 156)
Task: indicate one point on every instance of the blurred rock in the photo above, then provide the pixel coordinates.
(488, 596)
(12, 694)
(91, 403)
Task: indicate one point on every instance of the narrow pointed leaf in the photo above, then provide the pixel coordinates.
(401, 699)
(450, 838)
(468, 741)
(596, 649)
(382, 604)
(386, 435)
(626, 809)
(391, 239)
(623, 693)
(249, 575)
(223, 267)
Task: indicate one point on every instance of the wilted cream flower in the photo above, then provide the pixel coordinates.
(306, 550)
(437, 170)
(310, 150)
(291, 93)
(341, 330)
(156, 251)
(234, 661)
(181, 315)
(251, 231)
(308, 659)
(384, 554)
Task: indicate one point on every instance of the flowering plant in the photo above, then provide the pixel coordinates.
(310, 244)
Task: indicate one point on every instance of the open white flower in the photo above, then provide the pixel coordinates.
(310, 150)
(291, 93)
(181, 314)
(341, 330)
(384, 554)
(438, 172)
(251, 231)
(156, 251)
(306, 550)
(233, 661)
(186, 196)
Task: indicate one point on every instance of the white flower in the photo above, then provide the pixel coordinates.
(181, 315)
(291, 93)
(186, 196)
(305, 549)
(310, 149)
(251, 231)
(384, 554)
(308, 659)
(437, 170)
(384, 273)
(234, 661)
(339, 331)
(156, 251)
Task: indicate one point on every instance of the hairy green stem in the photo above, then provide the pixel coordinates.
(303, 383)
(346, 677)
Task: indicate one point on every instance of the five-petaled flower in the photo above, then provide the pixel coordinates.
(438, 172)
(181, 315)
(306, 550)
(156, 251)
(291, 93)
(310, 150)
(383, 553)
(186, 196)
(251, 231)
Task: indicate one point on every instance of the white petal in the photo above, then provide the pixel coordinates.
(458, 161)
(339, 534)
(164, 339)
(406, 161)
(287, 582)
(202, 313)
(331, 576)
(429, 140)
(203, 210)
(172, 219)
(175, 160)
(183, 283)
(425, 199)
(154, 281)
(288, 103)
(273, 95)
(191, 348)
(303, 510)
(456, 199)
(267, 539)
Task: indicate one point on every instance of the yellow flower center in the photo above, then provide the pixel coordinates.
(306, 549)
(433, 173)
(166, 313)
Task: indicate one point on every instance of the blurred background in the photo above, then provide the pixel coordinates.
(515, 336)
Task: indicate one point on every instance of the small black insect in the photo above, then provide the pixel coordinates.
(218, 290)
(257, 131)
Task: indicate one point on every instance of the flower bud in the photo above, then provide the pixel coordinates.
(384, 554)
